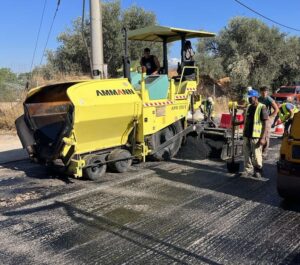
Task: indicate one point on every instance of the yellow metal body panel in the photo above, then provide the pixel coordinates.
(103, 114)
(159, 117)
(75, 168)
(158, 114)
(291, 140)
(105, 110)
(295, 129)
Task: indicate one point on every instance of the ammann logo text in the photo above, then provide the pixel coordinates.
(114, 92)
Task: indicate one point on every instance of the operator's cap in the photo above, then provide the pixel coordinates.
(253, 93)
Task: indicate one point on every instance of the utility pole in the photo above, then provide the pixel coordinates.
(214, 90)
(99, 70)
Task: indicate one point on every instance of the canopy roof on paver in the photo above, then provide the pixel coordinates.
(170, 34)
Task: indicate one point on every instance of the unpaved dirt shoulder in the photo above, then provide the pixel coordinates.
(11, 148)
(9, 142)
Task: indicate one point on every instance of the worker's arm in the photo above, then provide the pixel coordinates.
(275, 108)
(291, 114)
(275, 121)
(264, 118)
(263, 139)
(157, 66)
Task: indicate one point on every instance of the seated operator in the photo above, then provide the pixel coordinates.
(150, 62)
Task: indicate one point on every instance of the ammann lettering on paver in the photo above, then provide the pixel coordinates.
(114, 92)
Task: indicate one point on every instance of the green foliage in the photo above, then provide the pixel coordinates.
(251, 53)
(112, 38)
(6, 75)
(208, 63)
(11, 84)
(72, 56)
(289, 71)
(50, 70)
(136, 17)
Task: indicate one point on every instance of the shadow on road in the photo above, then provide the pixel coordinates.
(215, 177)
(15, 154)
(292, 259)
(33, 170)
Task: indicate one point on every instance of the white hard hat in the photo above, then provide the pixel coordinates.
(210, 99)
(249, 88)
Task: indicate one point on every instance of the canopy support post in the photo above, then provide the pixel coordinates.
(165, 54)
(182, 46)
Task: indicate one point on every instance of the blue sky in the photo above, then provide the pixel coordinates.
(19, 21)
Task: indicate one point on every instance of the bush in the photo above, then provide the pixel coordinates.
(9, 111)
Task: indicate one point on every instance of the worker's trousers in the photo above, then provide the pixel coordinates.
(287, 125)
(252, 155)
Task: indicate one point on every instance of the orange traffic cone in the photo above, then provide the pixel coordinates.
(279, 129)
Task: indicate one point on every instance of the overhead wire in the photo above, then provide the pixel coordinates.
(35, 46)
(265, 17)
(50, 31)
(38, 35)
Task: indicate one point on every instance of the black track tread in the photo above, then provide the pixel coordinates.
(152, 143)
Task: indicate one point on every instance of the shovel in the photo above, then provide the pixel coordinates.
(232, 166)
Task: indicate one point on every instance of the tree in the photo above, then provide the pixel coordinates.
(112, 38)
(136, 17)
(72, 56)
(6, 75)
(249, 51)
(289, 71)
(208, 62)
(10, 85)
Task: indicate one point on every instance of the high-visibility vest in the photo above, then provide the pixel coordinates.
(284, 114)
(205, 108)
(257, 123)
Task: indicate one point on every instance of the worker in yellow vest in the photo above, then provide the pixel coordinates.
(254, 135)
(286, 114)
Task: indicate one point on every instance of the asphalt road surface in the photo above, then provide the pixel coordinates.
(187, 211)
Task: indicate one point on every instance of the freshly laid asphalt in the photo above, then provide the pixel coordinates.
(185, 211)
